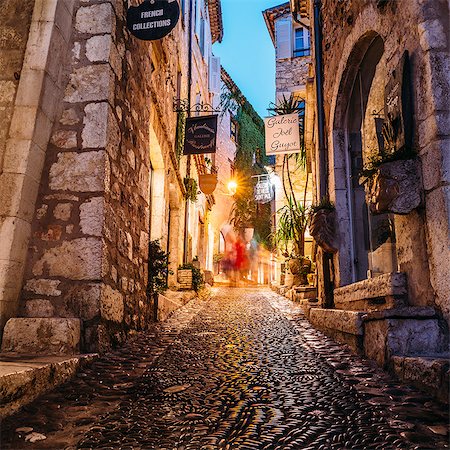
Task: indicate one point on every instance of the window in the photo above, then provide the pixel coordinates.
(233, 129)
(301, 42)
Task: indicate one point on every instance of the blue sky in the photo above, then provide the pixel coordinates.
(247, 52)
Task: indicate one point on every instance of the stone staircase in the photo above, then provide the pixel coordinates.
(373, 317)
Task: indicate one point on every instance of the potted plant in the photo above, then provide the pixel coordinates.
(208, 181)
(158, 271)
(392, 177)
(323, 225)
(192, 274)
(290, 235)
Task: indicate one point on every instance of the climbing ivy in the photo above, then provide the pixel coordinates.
(249, 161)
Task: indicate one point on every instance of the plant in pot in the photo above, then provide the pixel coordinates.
(290, 236)
(323, 225)
(158, 271)
(391, 177)
(197, 278)
(208, 180)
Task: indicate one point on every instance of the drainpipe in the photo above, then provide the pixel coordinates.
(327, 258)
(188, 167)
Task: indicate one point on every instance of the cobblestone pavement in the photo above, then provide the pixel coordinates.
(243, 370)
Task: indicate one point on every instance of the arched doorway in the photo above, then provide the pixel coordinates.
(358, 123)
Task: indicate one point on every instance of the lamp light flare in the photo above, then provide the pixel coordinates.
(232, 187)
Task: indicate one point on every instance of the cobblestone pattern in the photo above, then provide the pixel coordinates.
(247, 372)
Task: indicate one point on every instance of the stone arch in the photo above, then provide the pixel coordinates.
(347, 118)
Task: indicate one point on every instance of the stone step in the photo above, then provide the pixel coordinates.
(24, 377)
(429, 373)
(48, 336)
(385, 291)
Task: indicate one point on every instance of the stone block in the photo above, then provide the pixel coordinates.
(390, 288)
(432, 35)
(81, 172)
(88, 84)
(39, 308)
(69, 117)
(95, 129)
(346, 321)
(64, 139)
(92, 216)
(41, 286)
(79, 259)
(83, 301)
(63, 211)
(50, 336)
(98, 48)
(427, 373)
(111, 304)
(38, 45)
(402, 337)
(14, 233)
(24, 378)
(167, 305)
(95, 19)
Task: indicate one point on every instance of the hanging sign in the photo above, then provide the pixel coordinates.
(200, 136)
(263, 191)
(282, 134)
(153, 19)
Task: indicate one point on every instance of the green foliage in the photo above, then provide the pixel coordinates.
(250, 147)
(291, 227)
(191, 189)
(324, 203)
(158, 268)
(181, 129)
(197, 278)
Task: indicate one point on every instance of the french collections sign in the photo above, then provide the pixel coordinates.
(153, 20)
(201, 135)
(282, 134)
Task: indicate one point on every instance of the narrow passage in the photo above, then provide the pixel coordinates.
(243, 370)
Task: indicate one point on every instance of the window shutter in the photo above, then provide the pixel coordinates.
(214, 75)
(283, 37)
(198, 16)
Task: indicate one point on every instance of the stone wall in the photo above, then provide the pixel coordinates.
(422, 28)
(292, 74)
(15, 20)
(31, 107)
(88, 255)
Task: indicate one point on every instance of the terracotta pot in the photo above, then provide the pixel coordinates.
(248, 234)
(207, 182)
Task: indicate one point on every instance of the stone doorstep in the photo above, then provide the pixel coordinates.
(24, 377)
(170, 301)
(378, 293)
(429, 373)
(47, 336)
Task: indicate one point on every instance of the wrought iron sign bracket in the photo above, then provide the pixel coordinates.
(182, 105)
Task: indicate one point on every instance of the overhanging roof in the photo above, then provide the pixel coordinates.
(272, 14)
(215, 18)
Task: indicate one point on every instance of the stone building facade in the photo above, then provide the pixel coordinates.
(387, 261)
(90, 170)
(292, 51)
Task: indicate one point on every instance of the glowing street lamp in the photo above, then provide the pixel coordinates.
(232, 187)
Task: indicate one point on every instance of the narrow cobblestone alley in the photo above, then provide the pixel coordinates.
(243, 370)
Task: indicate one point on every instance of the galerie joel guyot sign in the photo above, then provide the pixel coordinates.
(153, 20)
(200, 136)
(282, 134)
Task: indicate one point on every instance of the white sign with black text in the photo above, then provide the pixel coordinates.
(282, 134)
